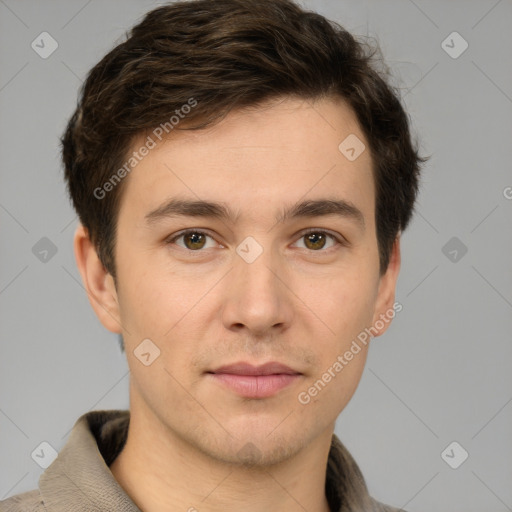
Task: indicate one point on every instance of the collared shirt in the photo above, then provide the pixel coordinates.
(79, 479)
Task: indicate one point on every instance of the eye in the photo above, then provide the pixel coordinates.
(316, 240)
(193, 239)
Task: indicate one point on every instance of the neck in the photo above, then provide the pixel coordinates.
(183, 478)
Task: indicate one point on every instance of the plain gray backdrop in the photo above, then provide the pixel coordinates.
(441, 373)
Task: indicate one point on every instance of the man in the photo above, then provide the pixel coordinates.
(242, 175)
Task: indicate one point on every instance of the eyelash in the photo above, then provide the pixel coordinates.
(339, 240)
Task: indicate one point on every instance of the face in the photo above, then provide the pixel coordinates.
(282, 266)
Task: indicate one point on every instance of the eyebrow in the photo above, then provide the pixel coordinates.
(175, 207)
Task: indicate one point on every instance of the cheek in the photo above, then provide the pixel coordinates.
(347, 310)
(170, 309)
(154, 298)
(346, 306)
(328, 392)
(341, 355)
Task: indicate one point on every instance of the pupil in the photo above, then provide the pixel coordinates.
(196, 238)
(315, 238)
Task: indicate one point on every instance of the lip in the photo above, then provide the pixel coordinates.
(243, 368)
(251, 381)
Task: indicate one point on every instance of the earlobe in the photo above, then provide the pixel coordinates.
(98, 282)
(384, 307)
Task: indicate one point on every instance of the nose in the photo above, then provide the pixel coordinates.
(257, 297)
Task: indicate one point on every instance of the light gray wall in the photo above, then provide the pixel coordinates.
(442, 371)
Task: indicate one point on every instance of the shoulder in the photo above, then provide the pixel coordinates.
(29, 501)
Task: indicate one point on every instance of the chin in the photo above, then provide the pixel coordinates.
(252, 447)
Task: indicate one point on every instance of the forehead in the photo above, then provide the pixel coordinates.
(255, 158)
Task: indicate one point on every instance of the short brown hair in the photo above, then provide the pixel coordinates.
(227, 55)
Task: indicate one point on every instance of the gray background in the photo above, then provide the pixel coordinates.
(442, 371)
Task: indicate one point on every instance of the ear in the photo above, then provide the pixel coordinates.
(386, 293)
(98, 282)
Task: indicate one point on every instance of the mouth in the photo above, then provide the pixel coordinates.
(250, 381)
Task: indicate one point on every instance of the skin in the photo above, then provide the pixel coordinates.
(297, 304)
